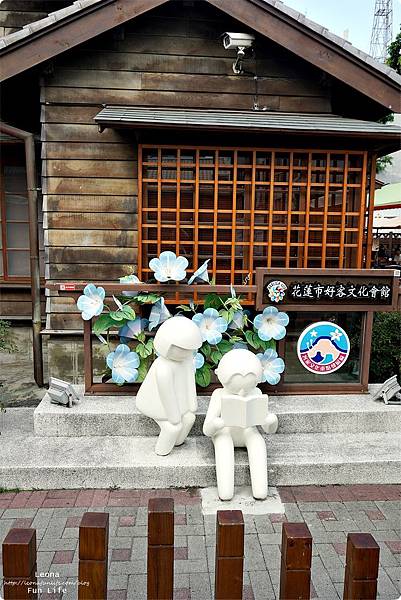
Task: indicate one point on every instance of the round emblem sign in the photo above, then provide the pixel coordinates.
(323, 347)
(276, 291)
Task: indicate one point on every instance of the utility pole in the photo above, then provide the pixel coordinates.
(382, 31)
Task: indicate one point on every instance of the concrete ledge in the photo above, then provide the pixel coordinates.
(117, 416)
(28, 461)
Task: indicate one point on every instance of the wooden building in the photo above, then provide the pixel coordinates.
(147, 140)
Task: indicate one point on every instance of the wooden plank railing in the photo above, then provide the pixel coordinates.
(19, 559)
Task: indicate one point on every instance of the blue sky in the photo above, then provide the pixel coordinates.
(339, 15)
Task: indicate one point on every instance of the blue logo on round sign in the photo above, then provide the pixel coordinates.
(323, 347)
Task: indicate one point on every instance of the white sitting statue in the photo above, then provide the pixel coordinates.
(232, 418)
(168, 392)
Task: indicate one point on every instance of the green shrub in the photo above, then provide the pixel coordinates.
(385, 359)
(6, 342)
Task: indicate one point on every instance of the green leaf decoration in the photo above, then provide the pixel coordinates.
(117, 316)
(216, 356)
(141, 351)
(250, 338)
(147, 298)
(266, 345)
(142, 371)
(225, 346)
(184, 308)
(206, 349)
(203, 375)
(212, 301)
(128, 313)
(103, 323)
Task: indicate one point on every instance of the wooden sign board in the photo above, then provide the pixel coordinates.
(341, 290)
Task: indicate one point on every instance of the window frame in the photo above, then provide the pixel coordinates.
(306, 230)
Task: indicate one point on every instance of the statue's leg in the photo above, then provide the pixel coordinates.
(187, 421)
(257, 456)
(167, 437)
(224, 452)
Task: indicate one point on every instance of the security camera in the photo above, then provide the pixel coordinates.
(237, 40)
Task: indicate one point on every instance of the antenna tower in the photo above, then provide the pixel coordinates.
(382, 32)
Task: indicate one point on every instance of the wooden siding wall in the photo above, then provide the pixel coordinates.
(172, 56)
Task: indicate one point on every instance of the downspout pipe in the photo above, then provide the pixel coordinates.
(28, 139)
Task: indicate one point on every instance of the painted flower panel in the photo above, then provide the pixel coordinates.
(123, 364)
(169, 267)
(211, 325)
(132, 328)
(91, 302)
(271, 324)
(130, 279)
(199, 360)
(200, 274)
(272, 366)
(158, 314)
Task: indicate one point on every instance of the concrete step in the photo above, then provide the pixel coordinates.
(117, 416)
(28, 461)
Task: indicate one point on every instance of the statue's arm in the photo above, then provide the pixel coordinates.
(165, 386)
(213, 421)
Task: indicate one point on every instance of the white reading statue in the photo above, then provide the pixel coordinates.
(232, 418)
(168, 392)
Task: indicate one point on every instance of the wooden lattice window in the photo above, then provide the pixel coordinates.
(246, 208)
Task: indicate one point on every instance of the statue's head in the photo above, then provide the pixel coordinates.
(177, 338)
(239, 371)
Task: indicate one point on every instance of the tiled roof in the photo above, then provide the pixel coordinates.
(80, 5)
(248, 120)
(54, 17)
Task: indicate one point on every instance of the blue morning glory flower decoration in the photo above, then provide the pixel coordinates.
(169, 267)
(158, 314)
(130, 279)
(123, 364)
(211, 325)
(133, 328)
(199, 360)
(200, 274)
(91, 302)
(238, 320)
(271, 324)
(272, 366)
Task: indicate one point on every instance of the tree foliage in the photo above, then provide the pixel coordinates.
(385, 360)
(394, 54)
(6, 342)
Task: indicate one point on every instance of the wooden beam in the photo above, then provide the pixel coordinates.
(314, 48)
(71, 31)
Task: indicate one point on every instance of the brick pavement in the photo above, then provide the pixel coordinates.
(329, 511)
